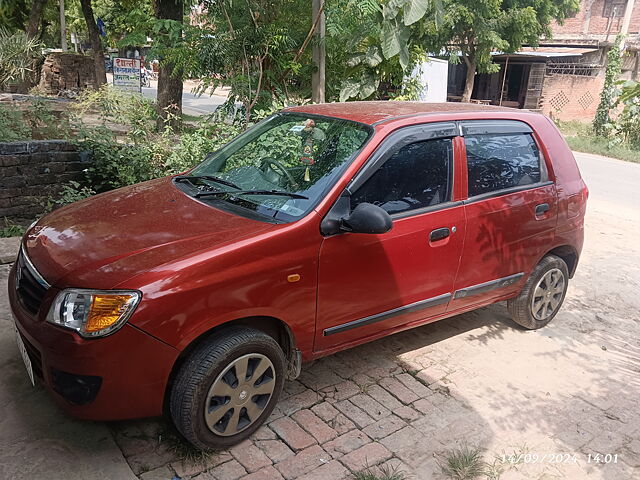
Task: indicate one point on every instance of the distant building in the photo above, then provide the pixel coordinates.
(564, 76)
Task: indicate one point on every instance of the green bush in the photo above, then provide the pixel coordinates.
(11, 229)
(12, 126)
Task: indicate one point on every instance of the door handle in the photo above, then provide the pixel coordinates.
(541, 209)
(439, 234)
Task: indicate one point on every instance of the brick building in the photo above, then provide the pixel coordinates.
(564, 76)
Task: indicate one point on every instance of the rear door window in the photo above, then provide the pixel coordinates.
(416, 176)
(502, 161)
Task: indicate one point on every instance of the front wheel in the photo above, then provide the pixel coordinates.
(542, 295)
(227, 388)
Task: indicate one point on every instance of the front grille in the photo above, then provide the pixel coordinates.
(30, 285)
(34, 356)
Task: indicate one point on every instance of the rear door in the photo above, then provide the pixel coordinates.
(511, 210)
(371, 284)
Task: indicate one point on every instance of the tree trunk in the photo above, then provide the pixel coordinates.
(169, 99)
(35, 15)
(469, 80)
(99, 74)
(318, 54)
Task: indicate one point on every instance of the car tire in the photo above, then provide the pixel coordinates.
(542, 295)
(206, 407)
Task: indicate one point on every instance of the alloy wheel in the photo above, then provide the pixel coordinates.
(548, 294)
(239, 394)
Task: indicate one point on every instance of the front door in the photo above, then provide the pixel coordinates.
(371, 284)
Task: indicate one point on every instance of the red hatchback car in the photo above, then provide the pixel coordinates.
(318, 229)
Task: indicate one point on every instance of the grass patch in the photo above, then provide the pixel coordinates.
(386, 473)
(184, 451)
(581, 138)
(10, 229)
(465, 463)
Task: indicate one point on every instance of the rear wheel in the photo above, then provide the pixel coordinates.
(227, 388)
(542, 295)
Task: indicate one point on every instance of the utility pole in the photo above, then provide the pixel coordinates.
(63, 28)
(318, 53)
(627, 17)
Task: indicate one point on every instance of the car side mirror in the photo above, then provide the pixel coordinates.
(367, 218)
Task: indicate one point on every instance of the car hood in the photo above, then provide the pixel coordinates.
(104, 240)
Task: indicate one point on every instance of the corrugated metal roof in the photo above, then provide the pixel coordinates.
(548, 52)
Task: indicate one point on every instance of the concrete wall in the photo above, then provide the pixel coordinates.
(571, 97)
(30, 172)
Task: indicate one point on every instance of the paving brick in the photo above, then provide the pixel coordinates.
(385, 426)
(150, 460)
(292, 433)
(398, 390)
(186, 469)
(319, 378)
(325, 411)
(162, 473)
(414, 385)
(410, 445)
(366, 456)
(276, 450)
(341, 391)
(299, 401)
(303, 462)
(407, 413)
(314, 425)
(369, 405)
(432, 374)
(383, 397)
(353, 413)
(250, 456)
(424, 405)
(292, 388)
(264, 433)
(331, 471)
(346, 443)
(342, 424)
(266, 473)
(229, 471)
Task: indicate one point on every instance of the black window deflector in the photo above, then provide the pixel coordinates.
(486, 127)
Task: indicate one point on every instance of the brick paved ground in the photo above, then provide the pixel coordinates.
(405, 401)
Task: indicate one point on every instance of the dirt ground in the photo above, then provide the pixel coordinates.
(546, 404)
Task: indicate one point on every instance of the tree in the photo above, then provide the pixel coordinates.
(100, 74)
(169, 99)
(35, 15)
(472, 29)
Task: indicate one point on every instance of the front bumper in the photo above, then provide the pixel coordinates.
(121, 376)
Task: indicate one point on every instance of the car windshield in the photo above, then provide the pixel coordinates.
(282, 166)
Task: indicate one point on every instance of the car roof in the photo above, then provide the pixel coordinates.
(373, 112)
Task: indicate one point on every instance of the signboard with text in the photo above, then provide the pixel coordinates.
(126, 74)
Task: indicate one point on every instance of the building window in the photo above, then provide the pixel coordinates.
(614, 8)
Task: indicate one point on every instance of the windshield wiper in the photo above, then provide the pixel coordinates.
(281, 193)
(211, 178)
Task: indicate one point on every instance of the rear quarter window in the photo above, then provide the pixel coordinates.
(502, 161)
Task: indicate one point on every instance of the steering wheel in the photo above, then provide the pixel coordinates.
(271, 163)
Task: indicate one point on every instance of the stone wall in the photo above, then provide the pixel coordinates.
(30, 172)
(66, 71)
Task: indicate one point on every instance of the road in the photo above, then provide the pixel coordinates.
(191, 104)
(405, 401)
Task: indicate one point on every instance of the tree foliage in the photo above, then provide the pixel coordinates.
(473, 29)
(609, 90)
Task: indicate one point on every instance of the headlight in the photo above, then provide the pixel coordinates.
(93, 313)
